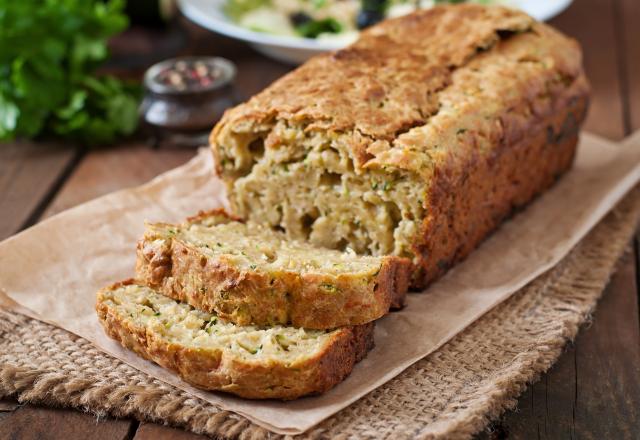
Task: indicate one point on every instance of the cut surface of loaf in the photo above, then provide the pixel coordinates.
(250, 274)
(210, 353)
(416, 141)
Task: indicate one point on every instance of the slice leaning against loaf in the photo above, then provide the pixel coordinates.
(251, 274)
(210, 353)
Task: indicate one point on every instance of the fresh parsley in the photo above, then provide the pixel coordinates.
(49, 52)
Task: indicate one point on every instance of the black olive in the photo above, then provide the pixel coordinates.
(368, 18)
(299, 18)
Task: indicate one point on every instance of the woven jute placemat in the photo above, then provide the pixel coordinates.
(453, 393)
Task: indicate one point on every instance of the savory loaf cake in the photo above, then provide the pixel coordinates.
(208, 352)
(251, 274)
(416, 141)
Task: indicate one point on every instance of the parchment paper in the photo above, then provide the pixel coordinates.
(52, 270)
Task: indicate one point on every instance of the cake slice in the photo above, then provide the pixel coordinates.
(211, 353)
(250, 274)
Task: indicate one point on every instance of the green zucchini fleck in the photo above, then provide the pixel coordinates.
(329, 287)
(249, 349)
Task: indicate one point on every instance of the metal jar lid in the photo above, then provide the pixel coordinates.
(155, 77)
(187, 94)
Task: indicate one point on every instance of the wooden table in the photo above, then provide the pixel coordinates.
(594, 389)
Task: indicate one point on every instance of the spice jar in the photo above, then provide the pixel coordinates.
(185, 96)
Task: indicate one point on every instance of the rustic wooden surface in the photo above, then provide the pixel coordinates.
(593, 392)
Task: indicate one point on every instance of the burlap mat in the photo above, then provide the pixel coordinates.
(452, 393)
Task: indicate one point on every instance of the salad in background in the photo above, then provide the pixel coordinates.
(323, 19)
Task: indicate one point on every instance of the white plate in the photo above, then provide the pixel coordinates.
(296, 50)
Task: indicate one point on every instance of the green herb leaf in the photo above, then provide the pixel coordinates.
(283, 342)
(248, 348)
(209, 324)
(329, 287)
(9, 113)
(313, 28)
(49, 52)
(237, 8)
(319, 4)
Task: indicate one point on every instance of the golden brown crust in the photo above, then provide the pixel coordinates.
(308, 300)
(470, 198)
(202, 216)
(394, 279)
(210, 369)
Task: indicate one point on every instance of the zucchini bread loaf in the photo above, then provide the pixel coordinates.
(210, 353)
(416, 141)
(251, 274)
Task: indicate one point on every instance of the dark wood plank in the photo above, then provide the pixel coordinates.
(629, 13)
(608, 363)
(39, 423)
(7, 406)
(150, 431)
(28, 174)
(255, 71)
(104, 171)
(592, 23)
(545, 410)
(593, 392)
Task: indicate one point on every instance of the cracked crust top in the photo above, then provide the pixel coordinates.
(388, 81)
